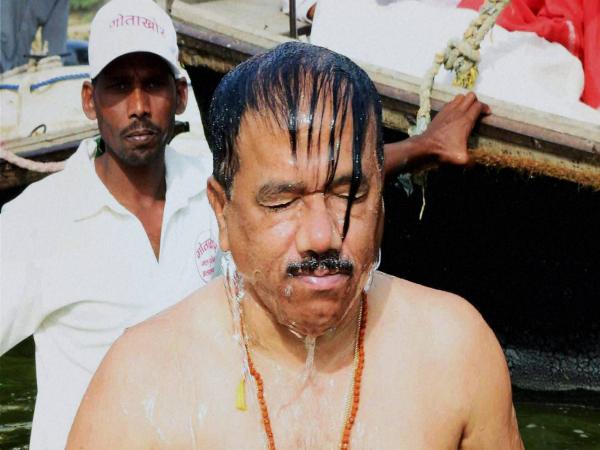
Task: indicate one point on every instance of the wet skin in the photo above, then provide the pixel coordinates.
(435, 376)
(282, 211)
(134, 100)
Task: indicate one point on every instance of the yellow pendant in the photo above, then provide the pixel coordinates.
(240, 395)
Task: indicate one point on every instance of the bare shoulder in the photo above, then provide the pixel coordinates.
(447, 335)
(147, 346)
(445, 331)
(196, 316)
(143, 362)
(443, 318)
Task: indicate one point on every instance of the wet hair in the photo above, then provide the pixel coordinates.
(276, 85)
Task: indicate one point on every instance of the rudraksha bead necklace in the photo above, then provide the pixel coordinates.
(354, 394)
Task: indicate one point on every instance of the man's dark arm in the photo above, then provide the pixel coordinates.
(444, 141)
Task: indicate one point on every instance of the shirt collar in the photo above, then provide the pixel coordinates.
(185, 178)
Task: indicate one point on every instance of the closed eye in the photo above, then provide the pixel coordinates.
(280, 206)
(360, 195)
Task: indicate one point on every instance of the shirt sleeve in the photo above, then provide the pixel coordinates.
(20, 309)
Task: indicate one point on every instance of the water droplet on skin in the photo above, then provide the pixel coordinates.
(202, 410)
(372, 270)
(287, 291)
(310, 343)
(292, 329)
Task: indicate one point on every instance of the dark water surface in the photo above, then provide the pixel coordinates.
(559, 426)
(545, 425)
(17, 397)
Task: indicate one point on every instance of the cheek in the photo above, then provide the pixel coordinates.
(107, 131)
(364, 234)
(110, 118)
(282, 233)
(260, 243)
(163, 110)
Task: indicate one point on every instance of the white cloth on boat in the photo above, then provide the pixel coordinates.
(77, 268)
(302, 7)
(404, 35)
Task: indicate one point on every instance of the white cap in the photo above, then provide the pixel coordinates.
(128, 26)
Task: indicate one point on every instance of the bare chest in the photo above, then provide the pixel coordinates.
(392, 415)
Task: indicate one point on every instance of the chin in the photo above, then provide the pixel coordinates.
(139, 157)
(315, 317)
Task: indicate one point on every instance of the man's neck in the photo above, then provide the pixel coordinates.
(142, 190)
(135, 187)
(334, 349)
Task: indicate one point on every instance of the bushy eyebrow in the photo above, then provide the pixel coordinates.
(272, 189)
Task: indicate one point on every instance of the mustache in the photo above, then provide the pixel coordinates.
(330, 261)
(140, 124)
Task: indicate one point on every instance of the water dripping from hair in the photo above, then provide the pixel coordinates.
(310, 344)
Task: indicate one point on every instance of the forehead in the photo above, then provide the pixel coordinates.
(140, 63)
(264, 143)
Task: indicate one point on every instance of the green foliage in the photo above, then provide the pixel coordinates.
(85, 5)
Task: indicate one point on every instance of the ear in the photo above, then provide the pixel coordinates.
(218, 201)
(87, 100)
(181, 88)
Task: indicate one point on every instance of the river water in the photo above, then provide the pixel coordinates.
(546, 424)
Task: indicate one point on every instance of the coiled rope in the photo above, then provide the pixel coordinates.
(28, 164)
(48, 82)
(461, 57)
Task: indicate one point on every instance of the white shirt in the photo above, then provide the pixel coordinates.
(77, 268)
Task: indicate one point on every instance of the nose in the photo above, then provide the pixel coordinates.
(138, 103)
(318, 230)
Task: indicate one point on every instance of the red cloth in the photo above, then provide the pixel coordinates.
(573, 23)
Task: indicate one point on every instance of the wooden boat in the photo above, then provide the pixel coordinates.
(501, 234)
(47, 133)
(216, 35)
(516, 235)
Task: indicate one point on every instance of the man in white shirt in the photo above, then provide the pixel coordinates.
(126, 230)
(123, 232)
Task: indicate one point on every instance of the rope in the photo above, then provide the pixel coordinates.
(461, 57)
(9, 87)
(27, 164)
(73, 76)
(41, 84)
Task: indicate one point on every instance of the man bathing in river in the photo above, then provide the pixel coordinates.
(301, 344)
(126, 229)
